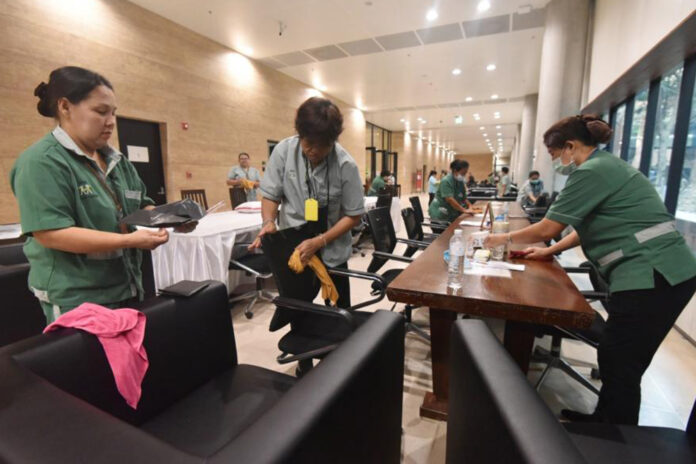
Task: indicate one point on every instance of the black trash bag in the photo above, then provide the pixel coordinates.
(169, 215)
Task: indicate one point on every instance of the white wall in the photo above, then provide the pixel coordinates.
(625, 30)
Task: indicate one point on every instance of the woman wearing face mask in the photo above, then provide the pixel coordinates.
(450, 200)
(531, 189)
(628, 235)
(73, 189)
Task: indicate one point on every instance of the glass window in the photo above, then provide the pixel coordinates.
(617, 138)
(664, 129)
(686, 204)
(635, 145)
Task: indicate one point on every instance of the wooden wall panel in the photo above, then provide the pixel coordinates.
(161, 72)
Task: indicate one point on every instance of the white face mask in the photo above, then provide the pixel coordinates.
(459, 177)
(564, 169)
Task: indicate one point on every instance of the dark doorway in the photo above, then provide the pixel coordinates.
(140, 142)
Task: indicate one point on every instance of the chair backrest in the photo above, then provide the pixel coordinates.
(414, 230)
(12, 254)
(197, 195)
(383, 235)
(188, 342)
(21, 315)
(417, 208)
(488, 396)
(237, 196)
(384, 200)
(278, 247)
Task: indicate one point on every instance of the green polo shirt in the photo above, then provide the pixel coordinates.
(449, 187)
(55, 189)
(624, 228)
(377, 183)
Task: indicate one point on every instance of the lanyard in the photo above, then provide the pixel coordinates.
(117, 203)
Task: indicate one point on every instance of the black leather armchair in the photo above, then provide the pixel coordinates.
(21, 315)
(59, 403)
(496, 416)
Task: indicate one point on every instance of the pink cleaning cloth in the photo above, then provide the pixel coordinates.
(121, 333)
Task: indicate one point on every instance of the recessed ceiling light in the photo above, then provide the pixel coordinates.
(497, 127)
(477, 116)
(494, 96)
(485, 135)
(482, 128)
(496, 116)
(483, 5)
(458, 119)
(469, 99)
(490, 67)
(456, 71)
(423, 121)
(499, 134)
(431, 15)
(402, 120)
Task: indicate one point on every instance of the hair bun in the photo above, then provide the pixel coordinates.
(600, 130)
(40, 90)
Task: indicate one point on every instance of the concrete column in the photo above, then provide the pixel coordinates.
(527, 134)
(561, 76)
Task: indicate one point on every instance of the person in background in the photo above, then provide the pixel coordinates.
(312, 165)
(244, 170)
(472, 182)
(504, 183)
(531, 189)
(433, 182)
(378, 183)
(73, 189)
(631, 239)
(450, 200)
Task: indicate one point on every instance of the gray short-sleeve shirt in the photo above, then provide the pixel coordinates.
(238, 172)
(285, 182)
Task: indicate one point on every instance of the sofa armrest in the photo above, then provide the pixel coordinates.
(41, 423)
(345, 410)
(494, 413)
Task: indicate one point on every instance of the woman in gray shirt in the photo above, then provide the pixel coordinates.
(312, 170)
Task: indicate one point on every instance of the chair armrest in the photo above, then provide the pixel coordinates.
(591, 295)
(381, 254)
(577, 270)
(365, 276)
(320, 310)
(433, 236)
(413, 243)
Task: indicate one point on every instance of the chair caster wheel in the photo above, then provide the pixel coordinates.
(594, 373)
(249, 314)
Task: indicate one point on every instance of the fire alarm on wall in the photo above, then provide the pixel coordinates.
(184, 125)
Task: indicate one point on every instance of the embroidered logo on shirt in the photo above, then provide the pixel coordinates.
(85, 190)
(132, 194)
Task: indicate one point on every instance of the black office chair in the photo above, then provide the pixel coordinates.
(315, 330)
(255, 264)
(590, 336)
(437, 227)
(237, 196)
(384, 199)
(414, 231)
(385, 241)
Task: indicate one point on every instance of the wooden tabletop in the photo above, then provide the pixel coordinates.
(542, 293)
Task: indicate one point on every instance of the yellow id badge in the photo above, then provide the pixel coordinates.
(311, 209)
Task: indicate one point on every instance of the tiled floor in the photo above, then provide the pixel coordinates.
(669, 386)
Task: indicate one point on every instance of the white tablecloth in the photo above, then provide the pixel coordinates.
(205, 253)
(394, 211)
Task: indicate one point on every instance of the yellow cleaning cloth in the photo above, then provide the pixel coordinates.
(247, 184)
(328, 288)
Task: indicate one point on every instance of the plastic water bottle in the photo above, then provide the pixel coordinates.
(455, 269)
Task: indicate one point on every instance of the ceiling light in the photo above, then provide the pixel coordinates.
(423, 121)
(490, 67)
(244, 50)
(431, 15)
(499, 134)
(482, 128)
(456, 71)
(497, 127)
(458, 119)
(496, 115)
(402, 120)
(485, 135)
(468, 99)
(483, 5)
(477, 116)
(494, 96)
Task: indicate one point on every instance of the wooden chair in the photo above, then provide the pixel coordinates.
(196, 195)
(237, 196)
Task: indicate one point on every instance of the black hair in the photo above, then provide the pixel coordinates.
(71, 82)
(533, 173)
(432, 173)
(505, 169)
(459, 164)
(319, 120)
(384, 173)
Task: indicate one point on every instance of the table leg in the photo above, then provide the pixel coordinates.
(435, 403)
(519, 341)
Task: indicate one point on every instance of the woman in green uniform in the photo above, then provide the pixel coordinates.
(628, 235)
(378, 183)
(72, 189)
(450, 200)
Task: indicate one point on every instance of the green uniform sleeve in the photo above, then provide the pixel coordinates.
(45, 195)
(352, 201)
(583, 192)
(446, 189)
(272, 183)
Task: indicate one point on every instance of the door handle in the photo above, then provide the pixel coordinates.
(161, 191)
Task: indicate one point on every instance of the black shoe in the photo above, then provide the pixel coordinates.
(575, 416)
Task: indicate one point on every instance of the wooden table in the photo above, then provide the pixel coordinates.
(541, 294)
